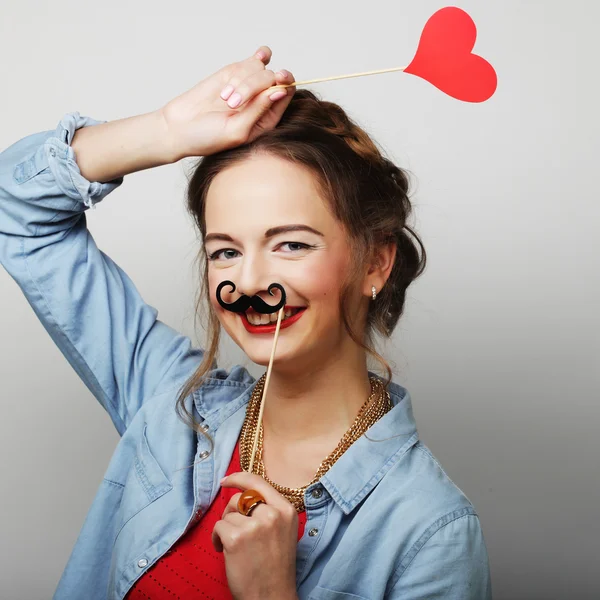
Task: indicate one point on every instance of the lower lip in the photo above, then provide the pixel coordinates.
(270, 328)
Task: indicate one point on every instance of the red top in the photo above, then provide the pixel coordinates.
(192, 568)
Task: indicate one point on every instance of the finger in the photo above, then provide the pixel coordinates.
(281, 97)
(279, 106)
(263, 517)
(282, 80)
(242, 480)
(251, 86)
(223, 535)
(228, 533)
(256, 115)
(250, 481)
(284, 77)
(264, 54)
(239, 71)
(242, 521)
(231, 505)
(268, 113)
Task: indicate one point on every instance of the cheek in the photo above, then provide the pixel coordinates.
(213, 282)
(322, 282)
(216, 276)
(225, 317)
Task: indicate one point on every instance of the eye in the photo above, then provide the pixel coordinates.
(228, 253)
(296, 246)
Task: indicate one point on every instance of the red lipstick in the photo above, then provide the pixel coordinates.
(270, 328)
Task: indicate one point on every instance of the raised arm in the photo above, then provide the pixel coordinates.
(86, 302)
(88, 305)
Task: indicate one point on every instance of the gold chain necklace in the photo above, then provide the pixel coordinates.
(377, 404)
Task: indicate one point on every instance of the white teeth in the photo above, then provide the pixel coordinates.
(253, 318)
(265, 319)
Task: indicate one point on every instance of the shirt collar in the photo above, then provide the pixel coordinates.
(208, 399)
(366, 462)
(360, 468)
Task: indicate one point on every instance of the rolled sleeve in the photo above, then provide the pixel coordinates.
(61, 160)
(90, 307)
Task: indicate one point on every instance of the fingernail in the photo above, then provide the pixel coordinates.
(261, 55)
(234, 100)
(282, 73)
(227, 92)
(277, 95)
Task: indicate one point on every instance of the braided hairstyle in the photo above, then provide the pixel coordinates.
(369, 194)
(366, 192)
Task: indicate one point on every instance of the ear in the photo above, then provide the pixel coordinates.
(380, 267)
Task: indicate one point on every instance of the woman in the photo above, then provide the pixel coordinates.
(289, 191)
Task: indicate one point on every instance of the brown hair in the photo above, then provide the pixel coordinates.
(367, 193)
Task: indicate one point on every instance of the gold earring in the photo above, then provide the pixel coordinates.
(373, 292)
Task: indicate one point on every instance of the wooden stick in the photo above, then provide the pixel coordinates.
(264, 394)
(339, 77)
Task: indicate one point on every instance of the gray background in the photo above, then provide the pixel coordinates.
(500, 343)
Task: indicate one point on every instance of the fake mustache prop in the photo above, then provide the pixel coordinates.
(256, 302)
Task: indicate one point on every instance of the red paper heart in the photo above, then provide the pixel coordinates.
(444, 57)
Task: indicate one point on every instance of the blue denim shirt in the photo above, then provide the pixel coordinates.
(386, 521)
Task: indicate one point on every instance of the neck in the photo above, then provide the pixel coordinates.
(319, 403)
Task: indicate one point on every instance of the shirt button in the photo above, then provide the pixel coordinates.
(142, 563)
(204, 454)
(317, 493)
(52, 152)
(313, 532)
(204, 427)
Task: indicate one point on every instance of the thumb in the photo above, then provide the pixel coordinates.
(262, 110)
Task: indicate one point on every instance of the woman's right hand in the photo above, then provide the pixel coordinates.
(206, 118)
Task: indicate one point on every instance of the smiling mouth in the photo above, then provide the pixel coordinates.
(257, 319)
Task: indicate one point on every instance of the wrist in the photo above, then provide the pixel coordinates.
(117, 148)
(165, 142)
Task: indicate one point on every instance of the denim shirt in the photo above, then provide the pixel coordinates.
(385, 521)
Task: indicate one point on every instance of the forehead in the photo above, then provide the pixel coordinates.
(264, 191)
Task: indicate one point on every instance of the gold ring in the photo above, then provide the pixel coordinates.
(249, 500)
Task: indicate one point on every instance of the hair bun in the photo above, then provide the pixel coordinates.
(307, 109)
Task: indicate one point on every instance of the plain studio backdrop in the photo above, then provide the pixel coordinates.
(499, 345)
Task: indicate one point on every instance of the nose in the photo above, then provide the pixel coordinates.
(254, 277)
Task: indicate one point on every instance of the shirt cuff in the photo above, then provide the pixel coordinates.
(64, 167)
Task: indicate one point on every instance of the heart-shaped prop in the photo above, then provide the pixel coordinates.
(444, 57)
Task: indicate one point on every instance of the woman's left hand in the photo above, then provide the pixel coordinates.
(260, 550)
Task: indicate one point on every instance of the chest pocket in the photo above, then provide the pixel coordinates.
(146, 481)
(321, 593)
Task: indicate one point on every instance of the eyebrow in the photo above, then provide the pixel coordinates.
(273, 231)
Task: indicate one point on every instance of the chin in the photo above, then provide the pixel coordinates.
(296, 349)
(260, 353)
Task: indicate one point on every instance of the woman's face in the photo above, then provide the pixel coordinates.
(266, 222)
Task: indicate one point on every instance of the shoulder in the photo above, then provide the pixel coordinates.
(431, 470)
(440, 499)
(420, 494)
(419, 474)
(423, 482)
(441, 529)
